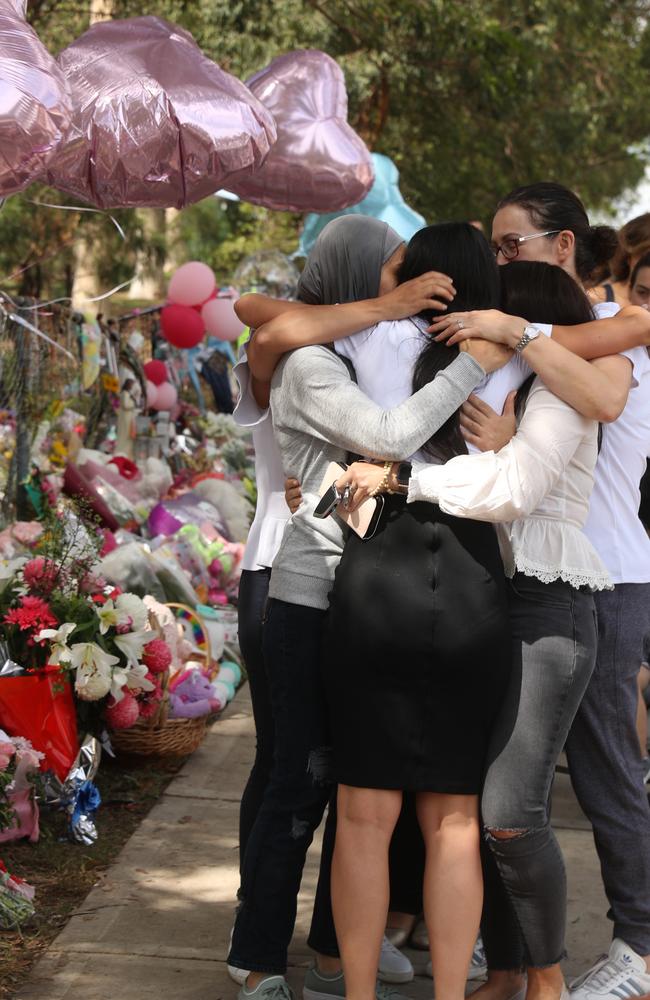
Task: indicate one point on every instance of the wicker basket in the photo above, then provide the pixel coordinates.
(161, 736)
(172, 738)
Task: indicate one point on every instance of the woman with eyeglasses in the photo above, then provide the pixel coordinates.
(548, 222)
(411, 544)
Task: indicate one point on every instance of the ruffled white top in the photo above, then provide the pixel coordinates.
(536, 490)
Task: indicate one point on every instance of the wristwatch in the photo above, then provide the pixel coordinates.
(401, 478)
(530, 333)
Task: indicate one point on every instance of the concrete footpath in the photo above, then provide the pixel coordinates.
(157, 926)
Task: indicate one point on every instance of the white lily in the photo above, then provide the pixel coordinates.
(94, 670)
(58, 639)
(134, 678)
(132, 610)
(127, 610)
(131, 644)
(8, 570)
(108, 617)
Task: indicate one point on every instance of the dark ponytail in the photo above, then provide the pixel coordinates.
(542, 293)
(552, 207)
(461, 251)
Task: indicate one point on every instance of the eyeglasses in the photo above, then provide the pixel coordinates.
(510, 248)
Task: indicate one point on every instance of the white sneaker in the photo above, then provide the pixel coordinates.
(620, 975)
(394, 966)
(477, 967)
(238, 976)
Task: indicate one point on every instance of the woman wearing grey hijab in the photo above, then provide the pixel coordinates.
(319, 416)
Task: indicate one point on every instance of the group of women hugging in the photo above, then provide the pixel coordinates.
(421, 681)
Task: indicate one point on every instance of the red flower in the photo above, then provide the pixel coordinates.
(41, 574)
(33, 615)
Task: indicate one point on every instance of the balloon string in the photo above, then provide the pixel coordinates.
(66, 298)
(39, 333)
(79, 208)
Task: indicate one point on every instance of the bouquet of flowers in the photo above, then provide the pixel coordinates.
(61, 623)
(16, 906)
(19, 770)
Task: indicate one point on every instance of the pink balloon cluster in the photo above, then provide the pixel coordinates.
(319, 163)
(196, 307)
(155, 122)
(161, 394)
(36, 107)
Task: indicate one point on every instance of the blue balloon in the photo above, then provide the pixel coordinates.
(384, 201)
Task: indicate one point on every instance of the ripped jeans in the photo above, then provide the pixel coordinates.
(554, 649)
(294, 801)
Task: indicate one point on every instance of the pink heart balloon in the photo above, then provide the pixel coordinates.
(319, 163)
(156, 123)
(36, 108)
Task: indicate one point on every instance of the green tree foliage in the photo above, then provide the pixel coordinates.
(469, 97)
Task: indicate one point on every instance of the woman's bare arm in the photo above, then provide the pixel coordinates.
(310, 325)
(254, 309)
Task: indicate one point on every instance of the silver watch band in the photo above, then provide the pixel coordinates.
(530, 333)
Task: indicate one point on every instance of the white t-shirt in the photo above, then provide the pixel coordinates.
(384, 356)
(272, 513)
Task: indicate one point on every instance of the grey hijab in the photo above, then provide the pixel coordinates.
(346, 261)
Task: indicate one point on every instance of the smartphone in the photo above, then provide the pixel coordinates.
(328, 502)
(364, 520)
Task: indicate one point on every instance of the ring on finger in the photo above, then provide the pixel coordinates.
(347, 492)
(460, 324)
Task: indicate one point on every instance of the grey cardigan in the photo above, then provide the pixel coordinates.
(319, 415)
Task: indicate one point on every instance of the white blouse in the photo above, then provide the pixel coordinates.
(537, 489)
(271, 512)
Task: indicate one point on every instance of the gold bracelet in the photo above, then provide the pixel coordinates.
(383, 485)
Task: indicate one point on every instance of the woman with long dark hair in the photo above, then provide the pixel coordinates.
(537, 491)
(319, 415)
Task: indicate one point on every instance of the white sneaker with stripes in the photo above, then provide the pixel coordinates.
(620, 975)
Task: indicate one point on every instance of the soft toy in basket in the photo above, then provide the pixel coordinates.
(161, 733)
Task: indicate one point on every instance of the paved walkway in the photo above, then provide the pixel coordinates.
(157, 926)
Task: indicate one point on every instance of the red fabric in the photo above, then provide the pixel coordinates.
(126, 468)
(40, 706)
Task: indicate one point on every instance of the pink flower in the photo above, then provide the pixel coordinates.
(27, 532)
(41, 575)
(92, 583)
(124, 713)
(7, 750)
(157, 656)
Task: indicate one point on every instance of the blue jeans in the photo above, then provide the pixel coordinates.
(296, 795)
(554, 650)
(605, 762)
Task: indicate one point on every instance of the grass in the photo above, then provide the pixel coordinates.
(63, 873)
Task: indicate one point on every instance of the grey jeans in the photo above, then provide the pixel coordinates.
(605, 763)
(554, 650)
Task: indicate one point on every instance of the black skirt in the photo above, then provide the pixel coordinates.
(417, 652)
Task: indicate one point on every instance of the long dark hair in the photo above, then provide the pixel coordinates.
(462, 252)
(542, 293)
(552, 207)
